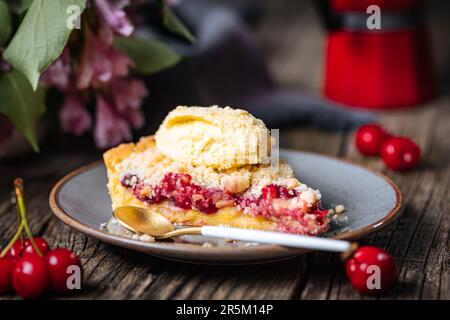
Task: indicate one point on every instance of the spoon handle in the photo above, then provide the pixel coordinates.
(181, 232)
(284, 239)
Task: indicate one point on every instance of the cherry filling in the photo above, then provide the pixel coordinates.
(179, 188)
(272, 202)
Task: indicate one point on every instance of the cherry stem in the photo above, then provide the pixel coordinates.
(19, 190)
(349, 253)
(19, 221)
(13, 240)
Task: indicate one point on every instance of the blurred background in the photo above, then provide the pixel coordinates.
(286, 50)
(267, 56)
(299, 36)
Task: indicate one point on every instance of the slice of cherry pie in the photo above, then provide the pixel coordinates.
(196, 172)
(247, 196)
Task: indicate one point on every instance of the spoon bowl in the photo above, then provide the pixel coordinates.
(143, 221)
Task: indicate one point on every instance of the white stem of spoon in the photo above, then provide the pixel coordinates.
(284, 239)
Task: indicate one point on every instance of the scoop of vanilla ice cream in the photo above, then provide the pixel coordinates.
(215, 137)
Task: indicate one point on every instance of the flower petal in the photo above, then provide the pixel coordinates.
(110, 129)
(115, 17)
(74, 116)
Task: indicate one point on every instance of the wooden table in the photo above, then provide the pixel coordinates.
(419, 240)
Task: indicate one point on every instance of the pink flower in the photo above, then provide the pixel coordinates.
(6, 130)
(74, 116)
(95, 64)
(101, 62)
(106, 34)
(112, 14)
(128, 95)
(121, 63)
(102, 73)
(58, 74)
(111, 128)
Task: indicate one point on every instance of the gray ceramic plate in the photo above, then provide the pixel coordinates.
(372, 201)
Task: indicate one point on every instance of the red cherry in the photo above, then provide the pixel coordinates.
(16, 249)
(183, 201)
(40, 243)
(58, 262)
(400, 153)
(270, 192)
(30, 276)
(369, 139)
(368, 263)
(7, 266)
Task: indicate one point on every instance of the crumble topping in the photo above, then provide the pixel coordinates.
(339, 209)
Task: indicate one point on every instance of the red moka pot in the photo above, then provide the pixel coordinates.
(382, 68)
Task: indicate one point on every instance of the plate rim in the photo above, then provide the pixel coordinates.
(162, 247)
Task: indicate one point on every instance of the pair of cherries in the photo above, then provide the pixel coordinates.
(29, 266)
(398, 153)
(30, 274)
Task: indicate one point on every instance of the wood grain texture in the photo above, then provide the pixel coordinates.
(419, 240)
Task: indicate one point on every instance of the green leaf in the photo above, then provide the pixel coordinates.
(21, 104)
(5, 23)
(24, 5)
(174, 24)
(41, 37)
(149, 56)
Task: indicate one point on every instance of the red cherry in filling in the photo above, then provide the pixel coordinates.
(30, 276)
(127, 179)
(369, 138)
(320, 212)
(16, 249)
(400, 153)
(58, 263)
(204, 200)
(40, 243)
(371, 270)
(183, 179)
(270, 192)
(168, 183)
(7, 266)
(183, 201)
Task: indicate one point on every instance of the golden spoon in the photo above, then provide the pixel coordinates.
(146, 221)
